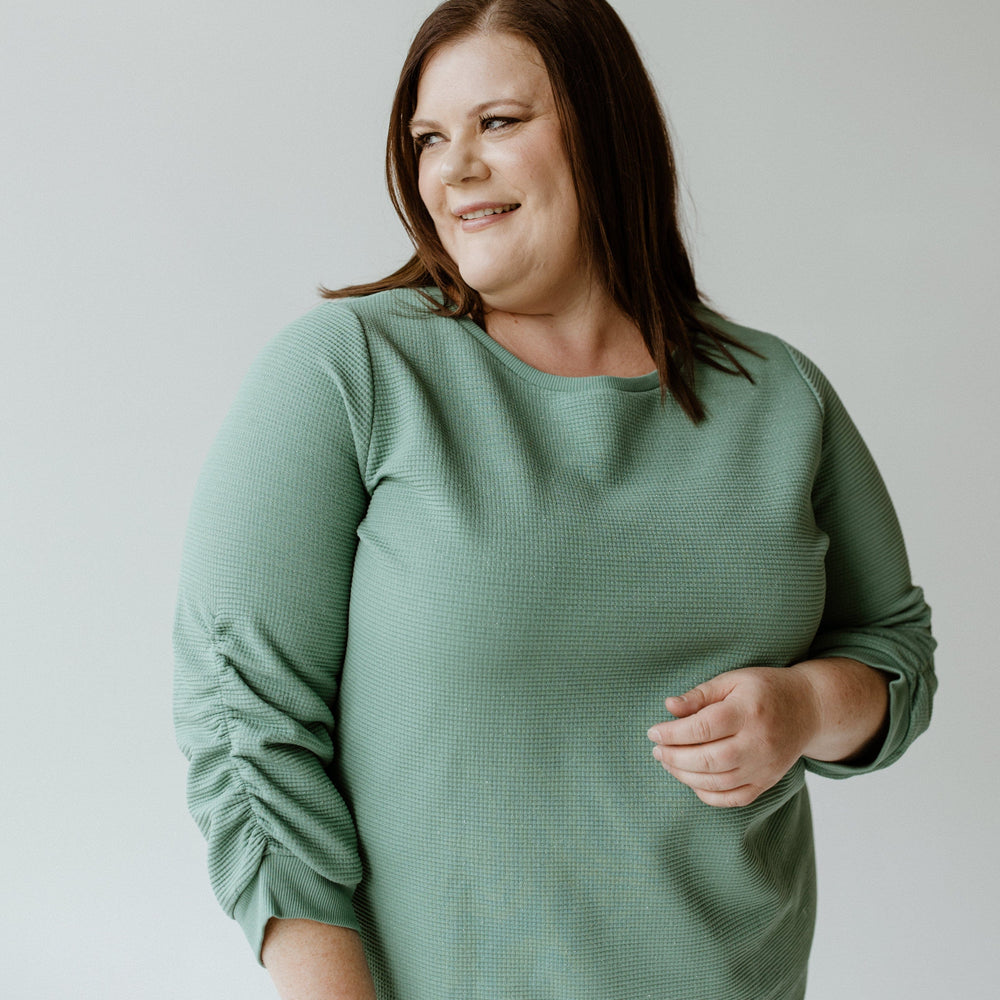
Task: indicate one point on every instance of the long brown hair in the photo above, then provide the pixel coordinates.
(623, 168)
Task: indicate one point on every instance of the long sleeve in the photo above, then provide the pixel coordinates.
(261, 627)
(873, 612)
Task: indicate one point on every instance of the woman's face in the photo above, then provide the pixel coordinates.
(494, 174)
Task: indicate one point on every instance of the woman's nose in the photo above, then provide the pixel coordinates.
(462, 162)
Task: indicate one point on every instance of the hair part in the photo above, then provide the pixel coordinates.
(623, 170)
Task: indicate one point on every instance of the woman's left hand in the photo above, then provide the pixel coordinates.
(738, 734)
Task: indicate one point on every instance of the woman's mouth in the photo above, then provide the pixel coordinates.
(481, 213)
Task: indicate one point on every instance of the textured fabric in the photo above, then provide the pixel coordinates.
(431, 600)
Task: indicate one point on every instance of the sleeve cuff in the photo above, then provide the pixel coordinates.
(286, 887)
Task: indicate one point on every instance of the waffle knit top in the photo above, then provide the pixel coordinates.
(431, 600)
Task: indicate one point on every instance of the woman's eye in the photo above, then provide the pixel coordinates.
(426, 139)
(492, 123)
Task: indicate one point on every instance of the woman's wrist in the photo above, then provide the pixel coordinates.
(849, 707)
(308, 960)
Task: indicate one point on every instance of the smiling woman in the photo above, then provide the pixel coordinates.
(490, 140)
(469, 528)
(631, 303)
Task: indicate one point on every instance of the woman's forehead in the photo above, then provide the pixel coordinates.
(483, 68)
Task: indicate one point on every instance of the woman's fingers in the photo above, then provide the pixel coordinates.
(703, 758)
(711, 691)
(734, 736)
(732, 798)
(709, 781)
(714, 722)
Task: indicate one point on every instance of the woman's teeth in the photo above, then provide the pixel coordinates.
(483, 212)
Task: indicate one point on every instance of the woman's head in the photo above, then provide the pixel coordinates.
(494, 176)
(614, 145)
(613, 133)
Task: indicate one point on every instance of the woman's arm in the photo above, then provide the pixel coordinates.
(261, 628)
(852, 709)
(308, 960)
(864, 691)
(736, 735)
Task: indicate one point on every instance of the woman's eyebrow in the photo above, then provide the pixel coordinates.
(503, 102)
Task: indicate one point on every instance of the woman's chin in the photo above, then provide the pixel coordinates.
(486, 280)
(496, 295)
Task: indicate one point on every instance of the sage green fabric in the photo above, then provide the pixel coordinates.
(431, 600)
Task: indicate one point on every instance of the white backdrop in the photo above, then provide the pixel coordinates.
(176, 179)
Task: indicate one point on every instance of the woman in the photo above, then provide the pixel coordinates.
(466, 527)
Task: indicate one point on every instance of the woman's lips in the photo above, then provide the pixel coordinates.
(484, 214)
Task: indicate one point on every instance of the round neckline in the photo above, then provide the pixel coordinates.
(561, 383)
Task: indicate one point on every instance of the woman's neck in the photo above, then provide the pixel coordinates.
(593, 337)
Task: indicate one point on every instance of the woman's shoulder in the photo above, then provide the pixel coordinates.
(379, 313)
(771, 361)
(757, 340)
(341, 327)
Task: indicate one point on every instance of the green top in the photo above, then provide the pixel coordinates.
(431, 601)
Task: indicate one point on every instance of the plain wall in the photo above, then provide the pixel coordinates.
(177, 178)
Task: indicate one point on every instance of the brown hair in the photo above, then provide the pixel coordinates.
(623, 168)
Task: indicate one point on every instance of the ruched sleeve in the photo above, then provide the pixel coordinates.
(873, 612)
(261, 627)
